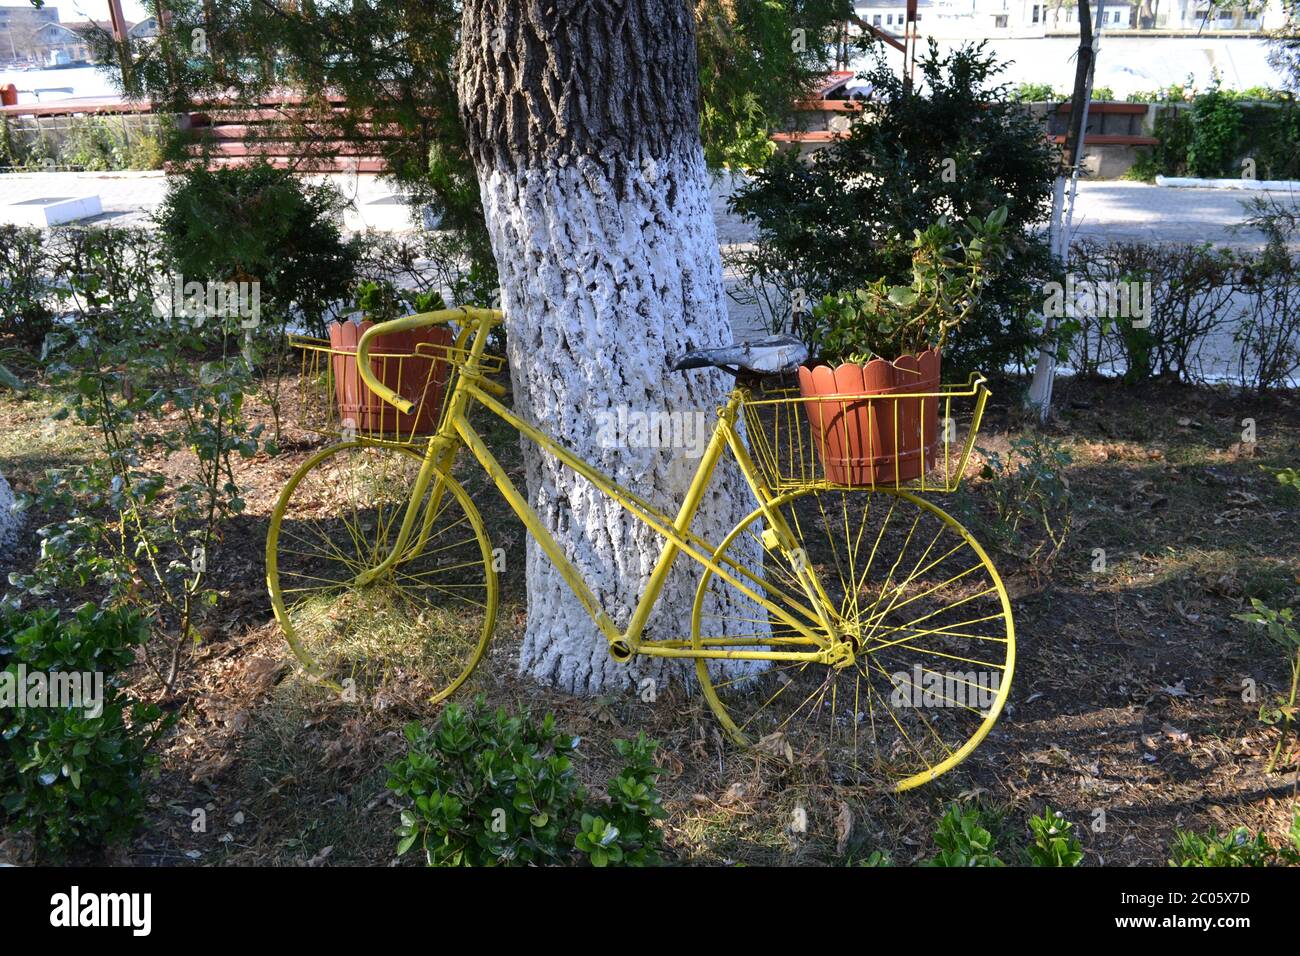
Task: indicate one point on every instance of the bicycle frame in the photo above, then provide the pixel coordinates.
(455, 429)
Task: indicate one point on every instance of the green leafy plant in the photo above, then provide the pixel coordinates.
(73, 776)
(1238, 848)
(1216, 121)
(150, 386)
(1036, 93)
(26, 285)
(1054, 841)
(963, 841)
(1279, 625)
(486, 789)
(92, 145)
(756, 58)
(949, 272)
(381, 301)
(634, 804)
(259, 223)
(875, 858)
(1024, 505)
(954, 144)
(264, 226)
(490, 789)
(598, 838)
(1288, 477)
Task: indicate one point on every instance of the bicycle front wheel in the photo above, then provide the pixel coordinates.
(920, 605)
(426, 617)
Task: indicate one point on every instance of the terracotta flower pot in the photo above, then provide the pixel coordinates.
(417, 378)
(869, 442)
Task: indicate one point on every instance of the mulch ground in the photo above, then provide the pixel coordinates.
(1129, 712)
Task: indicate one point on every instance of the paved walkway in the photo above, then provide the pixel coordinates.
(1137, 211)
(130, 198)
(1113, 210)
(1106, 210)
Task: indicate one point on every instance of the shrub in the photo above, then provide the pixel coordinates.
(488, 789)
(74, 781)
(1054, 841)
(91, 144)
(1217, 129)
(258, 223)
(1269, 335)
(949, 274)
(1279, 626)
(26, 284)
(262, 225)
(1216, 122)
(954, 145)
(144, 150)
(151, 387)
(1028, 509)
(1036, 93)
(1191, 290)
(963, 841)
(1236, 849)
(965, 837)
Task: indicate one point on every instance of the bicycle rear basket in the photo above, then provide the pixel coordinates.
(918, 441)
(420, 365)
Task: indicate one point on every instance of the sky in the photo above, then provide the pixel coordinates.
(72, 10)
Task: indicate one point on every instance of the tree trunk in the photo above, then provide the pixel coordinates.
(11, 521)
(583, 122)
(1039, 396)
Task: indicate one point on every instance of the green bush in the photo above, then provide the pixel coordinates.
(265, 225)
(26, 283)
(488, 789)
(1036, 93)
(963, 841)
(91, 144)
(1054, 841)
(965, 837)
(147, 384)
(1217, 129)
(1216, 122)
(74, 781)
(1023, 504)
(954, 145)
(950, 270)
(1238, 848)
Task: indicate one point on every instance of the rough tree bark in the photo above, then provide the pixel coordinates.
(11, 521)
(583, 120)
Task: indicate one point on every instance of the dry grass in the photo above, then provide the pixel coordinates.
(1127, 696)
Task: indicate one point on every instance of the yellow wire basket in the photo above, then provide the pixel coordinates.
(333, 399)
(918, 441)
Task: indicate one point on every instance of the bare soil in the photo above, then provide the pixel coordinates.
(1126, 712)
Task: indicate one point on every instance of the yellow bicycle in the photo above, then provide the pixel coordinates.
(857, 624)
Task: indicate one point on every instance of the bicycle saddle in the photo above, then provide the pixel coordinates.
(774, 355)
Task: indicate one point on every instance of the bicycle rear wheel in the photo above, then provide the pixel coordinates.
(920, 603)
(428, 617)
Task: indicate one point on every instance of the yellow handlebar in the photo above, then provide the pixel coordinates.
(483, 318)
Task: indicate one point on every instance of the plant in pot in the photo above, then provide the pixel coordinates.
(420, 377)
(874, 414)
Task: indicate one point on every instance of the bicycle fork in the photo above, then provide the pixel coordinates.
(436, 459)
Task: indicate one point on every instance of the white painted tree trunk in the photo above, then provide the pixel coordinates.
(1039, 396)
(585, 132)
(11, 521)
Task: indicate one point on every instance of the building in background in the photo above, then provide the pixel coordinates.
(995, 19)
(20, 27)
